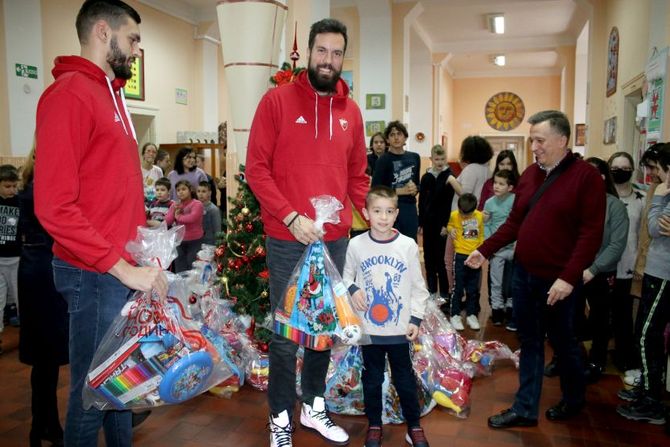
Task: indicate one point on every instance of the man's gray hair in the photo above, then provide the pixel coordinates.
(558, 122)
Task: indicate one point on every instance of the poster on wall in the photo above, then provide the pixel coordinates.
(656, 73)
(609, 132)
(134, 88)
(612, 61)
(348, 77)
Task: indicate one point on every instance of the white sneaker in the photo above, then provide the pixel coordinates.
(473, 322)
(457, 322)
(281, 430)
(632, 377)
(315, 418)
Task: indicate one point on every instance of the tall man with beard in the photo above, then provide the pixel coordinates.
(307, 139)
(88, 196)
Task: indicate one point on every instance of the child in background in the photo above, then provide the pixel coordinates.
(189, 213)
(437, 190)
(159, 206)
(10, 245)
(466, 227)
(211, 223)
(399, 169)
(393, 295)
(496, 210)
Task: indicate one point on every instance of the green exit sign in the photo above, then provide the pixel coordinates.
(26, 71)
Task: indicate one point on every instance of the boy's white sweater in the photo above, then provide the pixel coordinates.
(389, 273)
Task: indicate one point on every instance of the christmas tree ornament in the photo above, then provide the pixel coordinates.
(249, 227)
(245, 211)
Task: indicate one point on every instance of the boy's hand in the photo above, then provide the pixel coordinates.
(453, 233)
(359, 301)
(587, 276)
(475, 260)
(412, 332)
(443, 231)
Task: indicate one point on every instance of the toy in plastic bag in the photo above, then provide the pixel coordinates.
(316, 305)
(155, 353)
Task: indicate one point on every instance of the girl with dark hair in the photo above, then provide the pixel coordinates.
(504, 160)
(377, 148)
(599, 277)
(626, 355)
(185, 169)
(476, 153)
(188, 212)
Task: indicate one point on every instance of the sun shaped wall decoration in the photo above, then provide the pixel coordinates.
(504, 111)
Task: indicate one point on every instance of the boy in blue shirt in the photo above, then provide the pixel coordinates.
(160, 205)
(496, 210)
(211, 223)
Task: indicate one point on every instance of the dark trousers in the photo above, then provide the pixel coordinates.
(282, 257)
(407, 222)
(599, 292)
(534, 319)
(433, 257)
(402, 374)
(44, 405)
(466, 280)
(655, 314)
(627, 351)
(187, 253)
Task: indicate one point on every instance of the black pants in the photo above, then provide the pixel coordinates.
(187, 253)
(44, 382)
(599, 292)
(374, 364)
(433, 257)
(655, 314)
(627, 349)
(407, 222)
(282, 257)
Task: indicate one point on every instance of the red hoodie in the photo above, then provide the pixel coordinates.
(304, 145)
(88, 182)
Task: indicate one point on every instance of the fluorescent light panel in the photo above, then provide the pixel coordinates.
(499, 60)
(496, 23)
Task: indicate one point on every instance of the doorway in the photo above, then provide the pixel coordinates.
(515, 143)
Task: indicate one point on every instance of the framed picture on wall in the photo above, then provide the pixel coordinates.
(580, 134)
(134, 88)
(612, 61)
(375, 101)
(609, 133)
(372, 127)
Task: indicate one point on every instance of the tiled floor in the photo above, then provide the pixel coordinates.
(240, 421)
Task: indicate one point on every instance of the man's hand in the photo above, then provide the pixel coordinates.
(664, 225)
(144, 279)
(303, 230)
(558, 291)
(587, 276)
(475, 260)
(412, 332)
(359, 301)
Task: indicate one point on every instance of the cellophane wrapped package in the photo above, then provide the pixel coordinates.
(155, 351)
(316, 307)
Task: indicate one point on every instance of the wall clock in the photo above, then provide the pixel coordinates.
(504, 111)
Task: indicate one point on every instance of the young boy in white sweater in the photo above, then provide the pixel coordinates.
(383, 273)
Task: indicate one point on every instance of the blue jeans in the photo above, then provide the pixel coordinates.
(466, 280)
(534, 319)
(282, 257)
(94, 300)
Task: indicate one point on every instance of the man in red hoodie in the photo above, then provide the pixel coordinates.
(89, 197)
(306, 139)
(558, 233)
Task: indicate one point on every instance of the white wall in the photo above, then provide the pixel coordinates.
(581, 79)
(420, 95)
(23, 40)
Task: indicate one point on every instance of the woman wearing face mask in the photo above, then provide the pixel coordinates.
(622, 168)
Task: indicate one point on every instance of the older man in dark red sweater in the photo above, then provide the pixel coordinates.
(558, 234)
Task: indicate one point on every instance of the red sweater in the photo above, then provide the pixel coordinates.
(303, 145)
(561, 235)
(88, 182)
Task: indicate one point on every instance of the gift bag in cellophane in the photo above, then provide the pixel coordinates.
(155, 351)
(316, 309)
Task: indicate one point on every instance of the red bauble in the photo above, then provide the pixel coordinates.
(249, 227)
(245, 259)
(264, 274)
(231, 264)
(263, 347)
(238, 264)
(192, 299)
(220, 251)
(260, 251)
(219, 268)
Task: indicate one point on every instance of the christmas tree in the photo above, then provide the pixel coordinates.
(241, 258)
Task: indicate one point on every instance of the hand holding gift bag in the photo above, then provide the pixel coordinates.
(155, 352)
(316, 306)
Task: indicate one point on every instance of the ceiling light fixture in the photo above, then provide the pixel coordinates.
(496, 23)
(499, 60)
